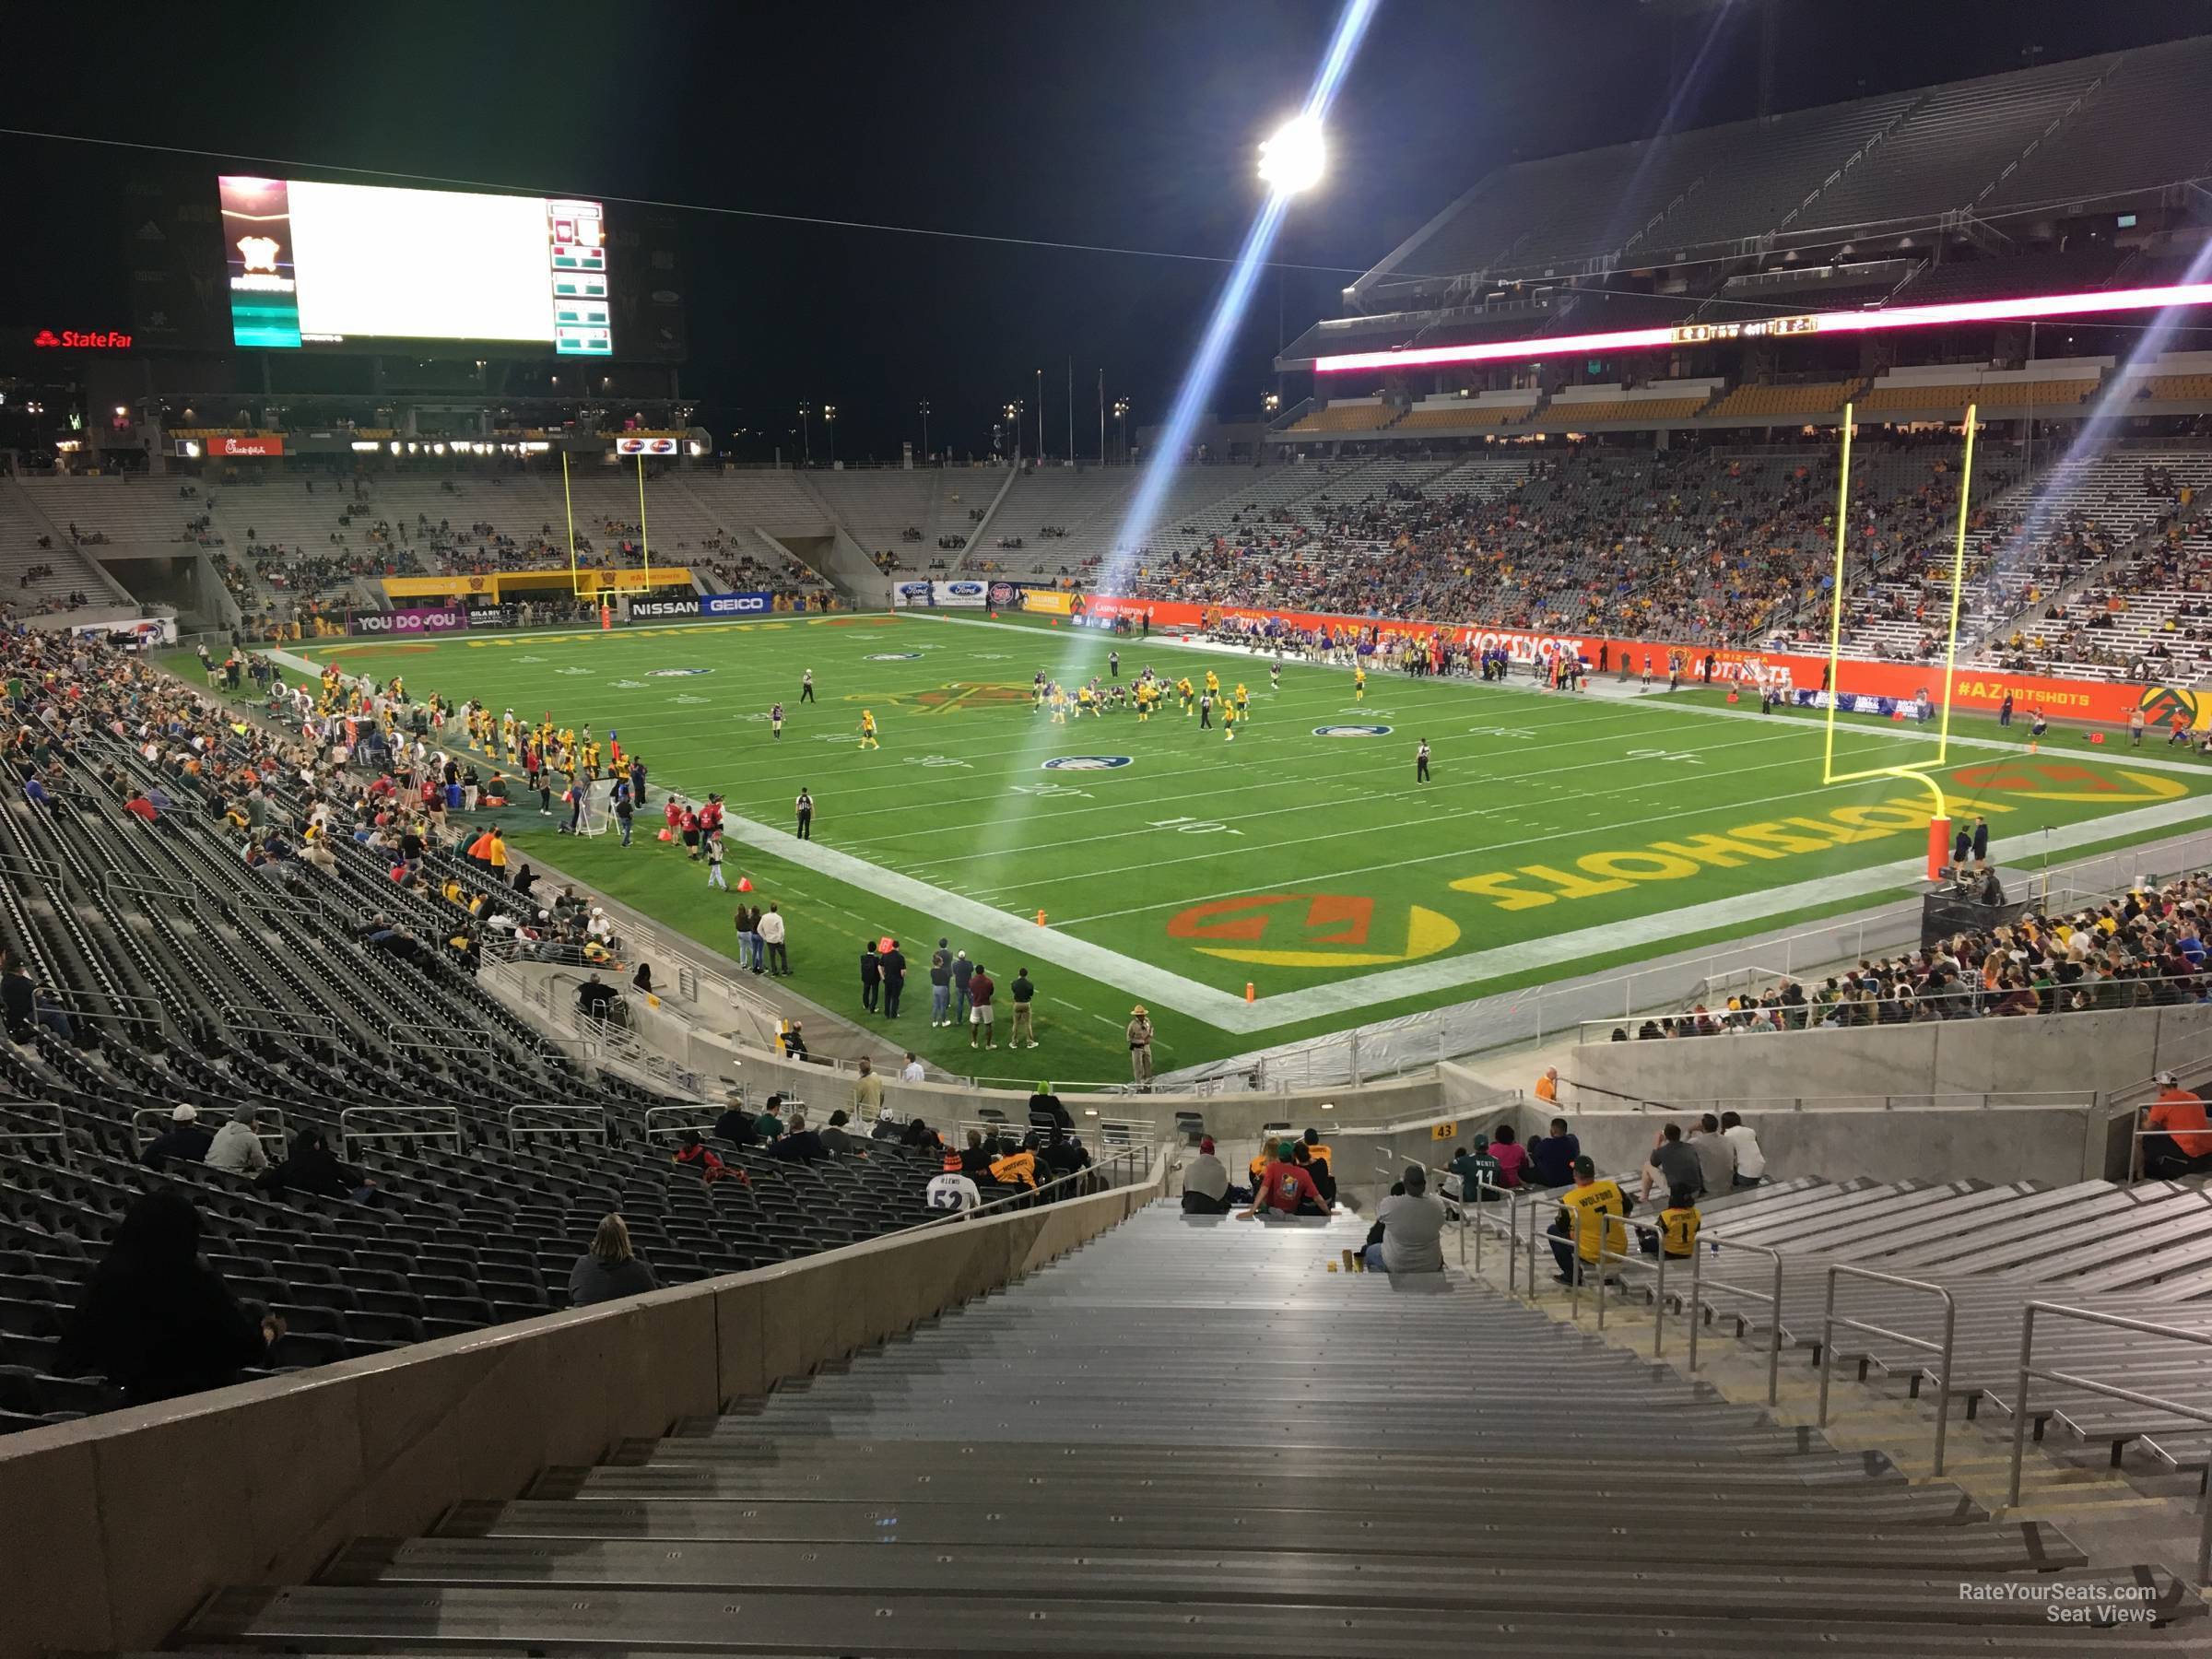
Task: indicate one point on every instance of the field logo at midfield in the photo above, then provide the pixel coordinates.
(2062, 781)
(1352, 731)
(1086, 762)
(1340, 922)
(892, 656)
(674, 672)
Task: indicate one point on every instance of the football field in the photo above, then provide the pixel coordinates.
(1174, 867)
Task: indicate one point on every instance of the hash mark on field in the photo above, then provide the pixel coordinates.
(1065, 1003)
(1111, 1024)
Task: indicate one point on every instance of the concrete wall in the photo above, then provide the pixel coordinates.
(114, 1528)
(2079, 1052)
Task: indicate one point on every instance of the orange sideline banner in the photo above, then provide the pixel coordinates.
(2105, 702)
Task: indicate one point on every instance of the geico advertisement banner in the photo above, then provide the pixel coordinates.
(2110, 702)
(422, 619)
(736, 605)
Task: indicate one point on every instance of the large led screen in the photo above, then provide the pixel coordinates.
(336, 264)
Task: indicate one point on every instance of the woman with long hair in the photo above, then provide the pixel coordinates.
(611, 1268)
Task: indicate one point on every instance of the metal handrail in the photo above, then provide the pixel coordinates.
(347, 1136)
(2109, 1391)
(1605, 1252)
(653, 1129)
(594, 1121)
(60, 1132)
(1829, 1321)
(1772, 1298)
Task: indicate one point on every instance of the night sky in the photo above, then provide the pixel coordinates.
(1130, 123)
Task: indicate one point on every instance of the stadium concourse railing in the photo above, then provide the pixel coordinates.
(1393, 1047)
(1614, 1100)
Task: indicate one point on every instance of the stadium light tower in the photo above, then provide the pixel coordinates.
(1290, 161)
(1121, 419)
(925, 430)
(806, 430)
(830, 425)
(1294, 159)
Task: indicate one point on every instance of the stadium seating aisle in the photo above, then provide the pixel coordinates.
(193, 977)
(1103, 1459)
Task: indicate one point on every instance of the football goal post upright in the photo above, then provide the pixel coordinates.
(1921, 771)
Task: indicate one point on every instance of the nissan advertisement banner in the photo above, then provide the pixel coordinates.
(419, 620)
(660, 610)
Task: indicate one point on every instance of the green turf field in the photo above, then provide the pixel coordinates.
(1560, 835)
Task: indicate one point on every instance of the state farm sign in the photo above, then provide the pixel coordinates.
(82, 339)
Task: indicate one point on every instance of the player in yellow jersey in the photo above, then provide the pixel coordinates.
(1228, 721)
(1358, 684)
(1243, 702)
(1085, 703)
(1058, 698)
(1213, 682)
(1144, 701)
(867, 730)
(1184, 690)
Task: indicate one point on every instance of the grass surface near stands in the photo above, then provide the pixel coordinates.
(1560, 834)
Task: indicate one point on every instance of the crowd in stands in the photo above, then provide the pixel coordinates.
(2146, 948)
(1688, 544)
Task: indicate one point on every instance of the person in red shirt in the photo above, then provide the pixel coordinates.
(143, 807)
(690, 825)
(2181, 1139)
(1512, 1157)
(1286, 1188)
(981, 988)
(672, 816)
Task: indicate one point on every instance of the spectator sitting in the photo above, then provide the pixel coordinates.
(314, 1170)
(1285, 1188)
(920, 1135)
(837, 1140)
(975, 1157)
(952, 1191)
(155, 1320)
(1512, 1157)
(1302, 1154)
(183, 1140)
(1674, 1163)
(236, 1149)
(1678, 1232)
(1478, 1172)
(735, 1126)
(1205, 1184)
(2179, 1142)
(886, 1124)
(611, 1268)
(597, 998)
(1585, 1224)
(1063, 1155)
(1716, 1155)
(1750, 1161)
(694, 1153)
(1551, 1157)
(801, 1145)
(769, 1125)
(1413, 1226)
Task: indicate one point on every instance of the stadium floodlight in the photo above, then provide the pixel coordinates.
(1294, 158)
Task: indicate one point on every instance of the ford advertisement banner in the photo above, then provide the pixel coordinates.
(419, 620)
(942, 595)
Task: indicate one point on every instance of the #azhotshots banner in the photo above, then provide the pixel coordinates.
(418, 621)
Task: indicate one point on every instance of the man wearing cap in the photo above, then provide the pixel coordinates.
(1413, 1227)
(1140, 1051)
(1589, 1212)
(2181, 1140)
(1285, 1188)
(1205, 1184)
(183, 1140)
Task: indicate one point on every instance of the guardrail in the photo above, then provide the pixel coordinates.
(1942, 1350)
(583, 1120)
(416, 1034)
(348, 1135)
(2111, 1390)
(1950, 1100)
(1607, 1252)
(28, 1109)
(658, 1120)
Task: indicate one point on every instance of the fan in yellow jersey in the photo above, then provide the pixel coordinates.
(867, 730)
(1358, 685)
(1184, 690)
(1589, 1222)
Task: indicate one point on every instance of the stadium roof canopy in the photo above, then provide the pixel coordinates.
(2058, 140)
